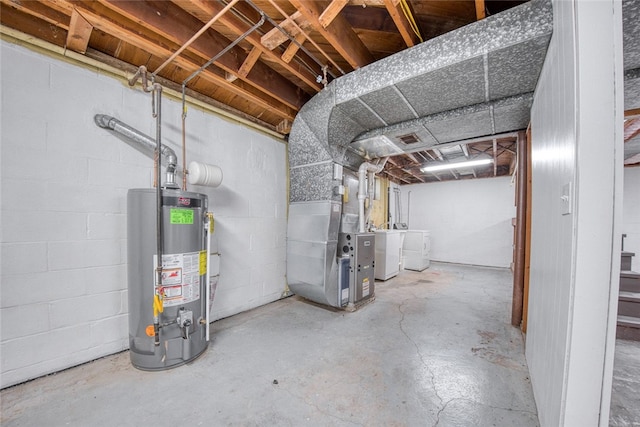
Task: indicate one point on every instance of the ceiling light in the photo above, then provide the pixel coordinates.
(459, 165)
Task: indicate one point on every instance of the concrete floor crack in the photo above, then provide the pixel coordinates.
(418, 352)
(444, 407)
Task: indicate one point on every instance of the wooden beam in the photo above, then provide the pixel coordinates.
(249, 62)
(480, 10)
(402, 23)
(293, 47)
(329, 14)
(238, 26)
(629, 114)
(339, 33)
(631, 128)
(495, 157)
(79, 33)
(284, 126)
(13, 17)
(412, 158)
(275, 37)
(416, 176)
(173, 23)
(392, 173)
(40, 10)
(633, 160)
(117, 29)
(131, 69)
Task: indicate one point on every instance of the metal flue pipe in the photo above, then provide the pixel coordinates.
(141, 142)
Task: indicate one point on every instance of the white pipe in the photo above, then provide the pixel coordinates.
(362, 189)
(208, 278)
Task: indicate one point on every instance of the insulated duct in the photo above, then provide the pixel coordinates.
(142, 143)
(473, 82)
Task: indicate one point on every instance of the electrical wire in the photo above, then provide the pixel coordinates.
(412, 22)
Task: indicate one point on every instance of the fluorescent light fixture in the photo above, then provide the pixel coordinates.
(459, 165)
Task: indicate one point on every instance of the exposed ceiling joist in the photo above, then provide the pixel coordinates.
(202, 9)
(338, 33)
(174, 24)
(402, 22)
(330, 13)
(79, 33)
(99, 20)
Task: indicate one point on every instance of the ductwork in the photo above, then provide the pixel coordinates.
(472, 82)
(141, 142)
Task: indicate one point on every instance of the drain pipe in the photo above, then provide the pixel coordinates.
(371, 169)
(141, 142)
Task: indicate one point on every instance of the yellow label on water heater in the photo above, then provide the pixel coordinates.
(203, 262)
(181, 216)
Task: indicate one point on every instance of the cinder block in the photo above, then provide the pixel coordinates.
(82, 254)
(32, 288)
(26, 351)
(33, 226)
(109, 330)
(65, 197)
(88, 87)
(111, 174)
(18, 258)
(85, 309)
(27, 77)
(20, 163)
(20, 194)
(24, 320)
(106, 226)
(19, 129)
(109, 278)
(105, 199)
(84, 142)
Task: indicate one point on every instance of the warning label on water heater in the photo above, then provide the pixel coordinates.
(180, 278)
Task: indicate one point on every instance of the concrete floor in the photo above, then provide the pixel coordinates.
(625, 395)
(434, 348)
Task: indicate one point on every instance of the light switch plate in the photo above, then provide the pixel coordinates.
(566, 199)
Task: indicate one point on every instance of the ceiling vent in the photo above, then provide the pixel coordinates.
(408, 139)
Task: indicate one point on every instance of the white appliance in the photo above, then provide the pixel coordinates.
(416, 250)
(387, 254)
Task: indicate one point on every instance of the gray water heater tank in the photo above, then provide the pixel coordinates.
(182, 335)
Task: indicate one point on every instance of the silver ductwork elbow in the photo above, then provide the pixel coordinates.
(142, 143)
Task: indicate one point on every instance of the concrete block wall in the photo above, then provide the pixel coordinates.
(631, 215)
(63, 296)
(469, 220)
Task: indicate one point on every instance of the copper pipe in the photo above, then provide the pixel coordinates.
(184, 149)
(195, 36)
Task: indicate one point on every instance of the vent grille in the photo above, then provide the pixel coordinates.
(408, 139)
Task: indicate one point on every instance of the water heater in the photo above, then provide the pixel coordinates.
(181, 333)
